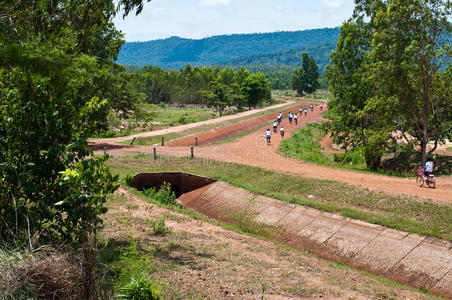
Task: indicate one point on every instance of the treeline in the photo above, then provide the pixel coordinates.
(280, 77)
(206, 86)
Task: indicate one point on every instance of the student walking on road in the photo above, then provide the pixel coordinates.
(295, 118)
(275, 126)
(268, 136)
(290, 117)
(305, 112)
(282, 132)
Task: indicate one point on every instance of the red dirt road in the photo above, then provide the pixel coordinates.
(252, 150)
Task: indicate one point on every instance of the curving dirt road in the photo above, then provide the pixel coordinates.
(252, 150)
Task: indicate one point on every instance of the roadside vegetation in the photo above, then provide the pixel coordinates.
(400, 212)
(304, 144)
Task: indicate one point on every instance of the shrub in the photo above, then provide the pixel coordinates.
(140, 289)
(159, 227)
(164, 195)
(162, 105)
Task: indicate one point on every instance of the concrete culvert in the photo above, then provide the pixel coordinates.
(181, 183)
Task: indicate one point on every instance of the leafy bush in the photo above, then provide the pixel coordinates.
(352, 158)
(140, 289)
(162, 105)
(159, 227)
(165, 195)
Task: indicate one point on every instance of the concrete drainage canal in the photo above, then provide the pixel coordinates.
(407, 258)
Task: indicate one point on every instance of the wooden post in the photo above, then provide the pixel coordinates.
(192, 153)
(133, 141)
(155, 153)
(163, 141)
(196, 141)
(105, 151)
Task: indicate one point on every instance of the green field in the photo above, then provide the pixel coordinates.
(400, 212)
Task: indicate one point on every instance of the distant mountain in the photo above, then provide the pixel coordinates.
(292, 57)
(277, 48)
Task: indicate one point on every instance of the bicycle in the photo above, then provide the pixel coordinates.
(421, 179)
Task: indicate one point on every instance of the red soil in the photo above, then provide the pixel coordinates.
(252, 150)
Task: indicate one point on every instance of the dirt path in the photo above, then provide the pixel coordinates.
(189, 126)
(252, 150)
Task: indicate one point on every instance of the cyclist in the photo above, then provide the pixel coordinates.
(268, 136)
(428, 169)
(275, 126)
(282, 132)
(295, 118)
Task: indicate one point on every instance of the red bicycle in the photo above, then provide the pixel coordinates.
(421, 179)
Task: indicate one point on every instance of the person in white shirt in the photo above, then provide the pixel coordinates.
(290, 117)
(312, 107)
(305, 112)
(279, 117)
(268, 136)
(321, 107)
(275, 126)
(282, 132)
(301, 112)
(428, 168)
(295, 118)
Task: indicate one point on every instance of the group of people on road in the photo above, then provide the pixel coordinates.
(291, 116)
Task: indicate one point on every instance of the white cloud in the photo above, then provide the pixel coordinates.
(214, 3)
(332, 3)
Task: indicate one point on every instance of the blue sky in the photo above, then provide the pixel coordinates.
(202, 18)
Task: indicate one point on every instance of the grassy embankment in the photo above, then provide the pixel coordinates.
(399, 212)
(140, 250)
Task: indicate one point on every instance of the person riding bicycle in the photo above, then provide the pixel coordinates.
(428, 169)
(279, 117)
(268, 135)
(275, 126)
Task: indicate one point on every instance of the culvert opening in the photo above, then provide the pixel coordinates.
(180, 182)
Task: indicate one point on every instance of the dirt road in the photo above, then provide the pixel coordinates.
(252, 150)
(189, 126)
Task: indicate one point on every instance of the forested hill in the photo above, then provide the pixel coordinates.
(272, 48)
(291, 57)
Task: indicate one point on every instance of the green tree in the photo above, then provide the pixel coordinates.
(411, 48)
(306, 78)
(218, 96)
(255, 89)
(51, 189)
(391, 68)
